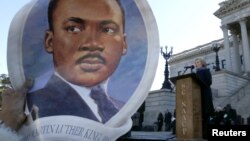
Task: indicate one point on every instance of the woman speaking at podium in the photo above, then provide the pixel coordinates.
(204, 75)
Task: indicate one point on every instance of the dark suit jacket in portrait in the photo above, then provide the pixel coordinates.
(59, 98)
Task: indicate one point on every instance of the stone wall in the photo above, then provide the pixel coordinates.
(156, 102)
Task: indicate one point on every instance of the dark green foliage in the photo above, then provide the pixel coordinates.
(4, 84)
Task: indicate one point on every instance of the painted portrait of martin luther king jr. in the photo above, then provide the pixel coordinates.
(92, 59)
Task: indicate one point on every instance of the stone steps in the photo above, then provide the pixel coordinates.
(240, 101)
(242, 105)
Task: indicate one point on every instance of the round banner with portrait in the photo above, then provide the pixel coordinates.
(92, 63)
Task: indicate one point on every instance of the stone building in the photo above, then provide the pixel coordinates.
(231, 84)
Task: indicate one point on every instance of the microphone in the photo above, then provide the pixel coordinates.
(189, 67)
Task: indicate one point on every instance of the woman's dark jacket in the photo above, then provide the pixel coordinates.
(206, 93)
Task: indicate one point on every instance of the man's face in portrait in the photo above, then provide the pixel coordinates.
(87, 40)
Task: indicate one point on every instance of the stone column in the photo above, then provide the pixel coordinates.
(236, 64)
(227, 47)
(245, 45)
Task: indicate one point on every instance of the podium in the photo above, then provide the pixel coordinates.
(188, 107)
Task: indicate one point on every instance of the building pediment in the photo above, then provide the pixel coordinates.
(231, 6)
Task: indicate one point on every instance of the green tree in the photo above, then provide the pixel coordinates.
(4, 84)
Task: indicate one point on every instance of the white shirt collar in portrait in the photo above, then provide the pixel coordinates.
(84, 92)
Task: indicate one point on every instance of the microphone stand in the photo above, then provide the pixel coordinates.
(184, 71)
(186, 68)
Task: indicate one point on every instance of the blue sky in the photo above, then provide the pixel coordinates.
(183, 24)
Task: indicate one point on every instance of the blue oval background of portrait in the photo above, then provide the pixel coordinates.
(38, 64)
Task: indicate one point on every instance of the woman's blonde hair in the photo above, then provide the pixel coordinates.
(203, 62)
